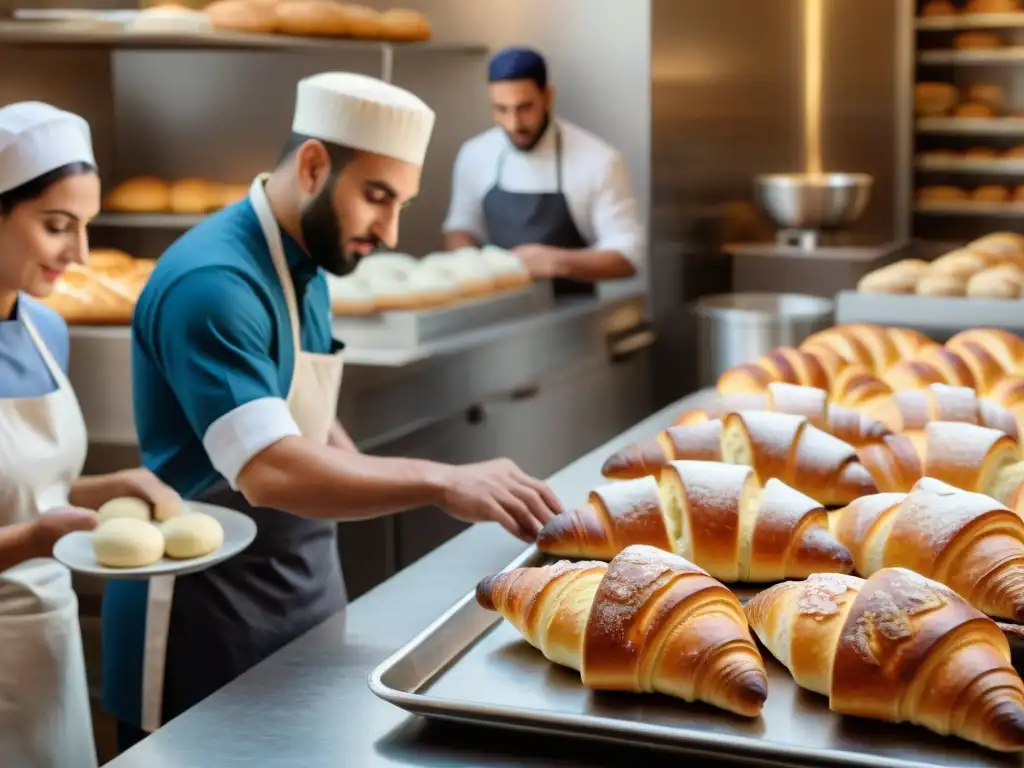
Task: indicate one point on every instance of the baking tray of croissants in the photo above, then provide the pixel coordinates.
(823, 565)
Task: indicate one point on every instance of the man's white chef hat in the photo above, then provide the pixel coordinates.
(363, 113)
(36, 138)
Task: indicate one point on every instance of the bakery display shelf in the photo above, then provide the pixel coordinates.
(472, 666)
(970, 21)
(1009, 55)
(968, 208)
(149, 220)
(113, 35)
(936, 316)
(411, 329)
(962, 165)
(991, 126)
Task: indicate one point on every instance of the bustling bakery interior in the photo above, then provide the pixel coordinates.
(534, 383)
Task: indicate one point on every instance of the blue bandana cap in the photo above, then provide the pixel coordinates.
(518, 64)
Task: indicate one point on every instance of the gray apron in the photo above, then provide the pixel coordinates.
(228, 618)
(521, 218)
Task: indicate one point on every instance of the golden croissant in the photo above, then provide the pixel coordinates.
(967, 541)
(647, 622)
(718, 516)
(778, 445)
(897, 647)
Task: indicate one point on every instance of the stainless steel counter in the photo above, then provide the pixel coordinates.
(308, 706)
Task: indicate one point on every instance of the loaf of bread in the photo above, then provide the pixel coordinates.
(312, 18)
(777, 445)
(976, 41)
(992, 6)
(1003, 282)
(717, 516)
(191, 195)
(935, 99)
(405, 26)
(364, 23)
(967, 541)
(899, 277)
(847, 424)
(141, 194)
(987, 93)
(897, 647)
(648, 622)
(942, 193)
(932, 8)
(249, 16)
(991, 193)
(103, 292)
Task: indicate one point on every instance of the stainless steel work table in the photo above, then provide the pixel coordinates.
(308, 706)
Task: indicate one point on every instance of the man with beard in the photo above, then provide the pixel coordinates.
(556, 195)
(235, 382)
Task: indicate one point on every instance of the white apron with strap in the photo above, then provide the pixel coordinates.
(313, 402)
(45, 720)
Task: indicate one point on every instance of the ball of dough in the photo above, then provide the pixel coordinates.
(166, 510)
(192, 534)
(126, 506)
(127, 542)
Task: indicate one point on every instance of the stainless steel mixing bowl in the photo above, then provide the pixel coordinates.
(805, 201)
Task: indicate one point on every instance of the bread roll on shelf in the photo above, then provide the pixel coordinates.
(243, 16)
(992, 6)
(312, 18)
(598, 619)
(899, 277)
(1002, 282)
(896, 647)
(102, 292)
(192, 195)
(976, 41)
(936, 8)
(935, 99)
(350, 296)
(364, 23)
(405, 26)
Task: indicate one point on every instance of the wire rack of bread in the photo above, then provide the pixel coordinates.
(151, 194)
(991, 267)
(101, 292)
(384, 282)
(866, 486)
(319, 18)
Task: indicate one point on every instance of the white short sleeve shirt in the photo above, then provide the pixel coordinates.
(595, 182)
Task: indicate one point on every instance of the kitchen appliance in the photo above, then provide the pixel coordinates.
(807, 208)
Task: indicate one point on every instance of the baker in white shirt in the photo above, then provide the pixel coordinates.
(556, 195)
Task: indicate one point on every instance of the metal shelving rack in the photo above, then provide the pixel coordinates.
(945, 64)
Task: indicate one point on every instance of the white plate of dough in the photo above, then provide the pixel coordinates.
(77, 552)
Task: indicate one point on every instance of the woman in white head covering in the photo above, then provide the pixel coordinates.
(49, 191)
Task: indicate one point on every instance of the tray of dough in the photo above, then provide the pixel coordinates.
(394, 300)
(474, 667)
(937, 316)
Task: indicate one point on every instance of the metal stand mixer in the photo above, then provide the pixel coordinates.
(811, 210)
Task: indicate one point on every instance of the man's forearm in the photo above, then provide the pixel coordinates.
(298, 476)
(93, 492)
(16, 545)
(460, 239)
(588, 264)
(339, 438)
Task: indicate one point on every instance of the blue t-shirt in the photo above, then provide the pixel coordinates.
(211, 333)
(23, 371)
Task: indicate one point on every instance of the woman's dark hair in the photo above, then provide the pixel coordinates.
(36, 187)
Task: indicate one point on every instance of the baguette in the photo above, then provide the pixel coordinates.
(967, 456)
(967, 541)
(648, 622)
(897, 647)
(845, 423)
(717, 516)
(777, 445)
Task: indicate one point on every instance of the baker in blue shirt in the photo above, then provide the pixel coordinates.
(235, 381)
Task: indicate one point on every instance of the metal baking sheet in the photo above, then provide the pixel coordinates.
(412, 329)
(472, 666)
(938, 317)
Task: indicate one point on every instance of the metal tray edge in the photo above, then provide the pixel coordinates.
(752, 751)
